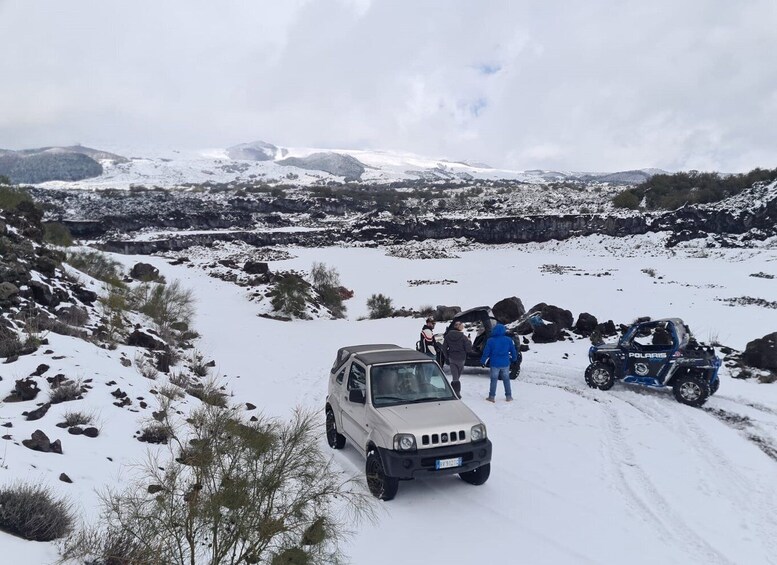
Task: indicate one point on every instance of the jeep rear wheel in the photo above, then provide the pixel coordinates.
(515, 370)
(691, 389)
(599, 375)
(380, 485)
(477, 476)
(335, 439)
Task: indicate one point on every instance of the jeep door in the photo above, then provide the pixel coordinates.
(354, 413)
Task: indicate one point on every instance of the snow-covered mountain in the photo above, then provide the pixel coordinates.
(260, 161)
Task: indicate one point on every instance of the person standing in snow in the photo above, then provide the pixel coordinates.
(500, 349)
(456, 346)
(427, 343)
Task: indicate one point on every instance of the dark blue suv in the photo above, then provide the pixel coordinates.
(657, 353)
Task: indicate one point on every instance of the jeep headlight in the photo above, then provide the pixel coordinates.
(404, 442)
(478, 432)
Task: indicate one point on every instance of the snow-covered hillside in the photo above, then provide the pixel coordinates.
(578, 475)
(263, 162)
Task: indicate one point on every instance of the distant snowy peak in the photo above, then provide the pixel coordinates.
(337, 164)
(256, 151)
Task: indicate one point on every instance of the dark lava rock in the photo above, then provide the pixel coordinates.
(547, 333)
(125, 362)
(91, 432)
(550, 313)
(118, 393)
(508, 310)
(42, 368)
(256, 267)
(75, 430)
(84, 295)
(153, 489)
(444, 313)
(40, 442)
(586, 324)
(8, 290)
(37, 414)
(250, 406)
(65, 479)
(42, 294)
(144, 272)
(8, 425)
(25, 389)
(762, 353)
(139, 338)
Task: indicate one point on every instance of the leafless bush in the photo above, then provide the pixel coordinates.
(155, 433)
(165, 304)
(73, 418)
(209, 393)
(31, 512)
(170, 391)
(66, 392)
(180, 380)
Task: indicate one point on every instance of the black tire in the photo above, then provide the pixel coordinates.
(477, 476)
(334, 438)
(599, 375)
(515, 370)
(380, 485)
(714, 386)
(691, 389)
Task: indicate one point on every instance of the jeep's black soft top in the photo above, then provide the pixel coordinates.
(345, 352)
(377, 353)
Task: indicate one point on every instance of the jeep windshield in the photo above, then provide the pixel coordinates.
(408, 383)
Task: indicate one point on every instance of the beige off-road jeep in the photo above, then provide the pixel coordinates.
(397, 408)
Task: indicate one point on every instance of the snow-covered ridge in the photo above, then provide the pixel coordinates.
(260, 161)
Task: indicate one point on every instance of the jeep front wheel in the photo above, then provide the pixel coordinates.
(335, 439)
(477, 476)
(381, 486)
(599, 375)
(691, 389)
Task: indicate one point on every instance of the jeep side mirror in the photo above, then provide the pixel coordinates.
(357, 396)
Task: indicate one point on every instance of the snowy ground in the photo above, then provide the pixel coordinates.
(578, 475)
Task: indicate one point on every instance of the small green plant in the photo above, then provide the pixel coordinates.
(57, 234)
(380, 306)
(12, 196)
(166, 304)
(290, 296)
(626, 199)
(98, 266)
(209, 393)
(32, 513)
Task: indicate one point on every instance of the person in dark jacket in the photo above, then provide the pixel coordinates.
(456, 346)
(500, 350)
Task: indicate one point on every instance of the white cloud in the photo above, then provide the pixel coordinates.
(595, 85)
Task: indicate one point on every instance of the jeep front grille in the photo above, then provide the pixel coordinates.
(442, 438)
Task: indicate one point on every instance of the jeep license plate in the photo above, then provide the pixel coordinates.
(447, 463)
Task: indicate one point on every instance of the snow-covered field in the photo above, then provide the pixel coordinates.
(578, 475)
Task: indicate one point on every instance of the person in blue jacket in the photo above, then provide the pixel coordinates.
(500, 349)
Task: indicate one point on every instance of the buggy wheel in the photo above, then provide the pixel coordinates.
(691, 389)
(515, 370)
(599, 375)
(335, 439)
(714, 386)
(380, 485)
(477, 476)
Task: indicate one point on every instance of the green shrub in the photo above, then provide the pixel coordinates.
(165, 304)
(238, 493)
(12, 196)
(380, 306)
(626, 199)
(326, 282)
(290, 296)
(31, 512)
(98, 266)
(57, 234)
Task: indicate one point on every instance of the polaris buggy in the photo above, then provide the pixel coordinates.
(482, 316)
(657, 353)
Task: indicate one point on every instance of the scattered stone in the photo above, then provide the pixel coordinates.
(141, 338)
(444, 313)
(65, 479)
(37, 414)
(125, 362)
(91, 432)
(153, 489)
(8, 290)
(86, 296)
(124, 402)
(762, 353)
(11, 359)
(8, 425)
(7, 437)
(256, 268)
(75, 430)
(144, 272)
(118, 393)
(250, 406)
(42, 294)
(42, 368)
(25, 389)
(40, 442)
(586, 324)
(508, 310)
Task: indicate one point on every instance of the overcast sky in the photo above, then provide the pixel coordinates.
(575, 85)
